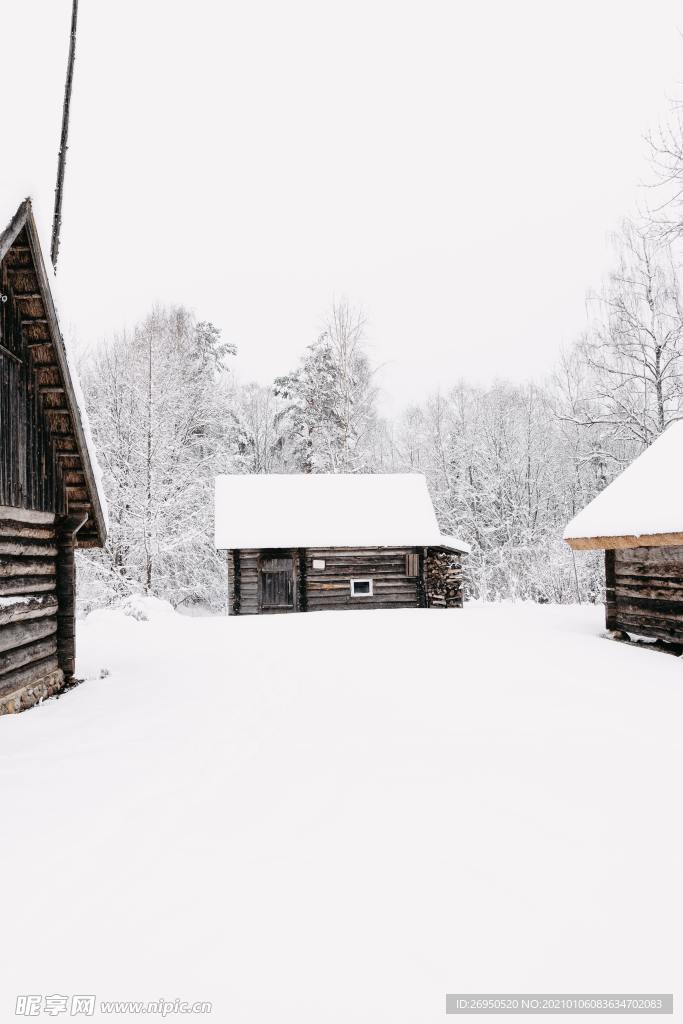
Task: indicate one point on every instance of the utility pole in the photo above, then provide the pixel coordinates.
(61, 163)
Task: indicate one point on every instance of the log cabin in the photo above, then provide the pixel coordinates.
(300, 543)
(50, 497)
(638, 521)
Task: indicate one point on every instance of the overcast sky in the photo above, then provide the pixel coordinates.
(455, 168)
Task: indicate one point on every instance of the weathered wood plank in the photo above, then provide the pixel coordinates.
(12, 586)
(646, 589)
(27, 567)
(29, 516)
(27, 547)
(352, 606)
(34, 607)
(16, 634)
(661, 628)
(13, 530)
(28, 675)
(27, 654)
(650, 555)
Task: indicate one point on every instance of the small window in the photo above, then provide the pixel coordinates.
(361, 588)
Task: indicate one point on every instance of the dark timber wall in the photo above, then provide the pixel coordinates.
(314, 588)
(258, 579)
(29, 664)
(31, 496)
(644, 591)
(44, 494)
(386, 567)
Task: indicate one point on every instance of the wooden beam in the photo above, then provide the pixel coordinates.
(19, 633)
(644, 540)
(11, 355)
(51, 389)
(28, 653)
(38, 607)
(26, 515)
(20, 270)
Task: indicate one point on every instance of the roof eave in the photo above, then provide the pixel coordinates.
(612, 543)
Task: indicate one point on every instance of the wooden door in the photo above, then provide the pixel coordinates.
(276, 584)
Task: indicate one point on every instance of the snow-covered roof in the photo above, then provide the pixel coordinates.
(643, 505)
(22, 215)
(327, 510)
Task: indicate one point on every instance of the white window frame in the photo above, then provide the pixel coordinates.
(363, 580)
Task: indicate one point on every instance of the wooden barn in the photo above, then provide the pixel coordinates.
(50, 501)
(297, 543)
(638, 521)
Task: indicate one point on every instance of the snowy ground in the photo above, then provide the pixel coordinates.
(343, 816)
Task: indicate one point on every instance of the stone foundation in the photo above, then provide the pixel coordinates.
(31, 693)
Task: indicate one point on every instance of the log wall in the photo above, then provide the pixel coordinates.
(317, 589)
(644, 591)
(29, 660)
(386, 567)
(41, 480)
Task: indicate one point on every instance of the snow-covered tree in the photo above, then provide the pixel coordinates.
(329, 410)
(499, 471)
(634, 345)
(253, 423)
(158, 427)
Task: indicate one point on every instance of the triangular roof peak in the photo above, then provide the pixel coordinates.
(32, 286)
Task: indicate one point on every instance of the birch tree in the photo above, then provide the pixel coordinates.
(634, 346)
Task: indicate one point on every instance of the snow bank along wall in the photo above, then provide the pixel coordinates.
(48, 493)
(311, 579)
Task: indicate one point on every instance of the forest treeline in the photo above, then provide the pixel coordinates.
(507, 464)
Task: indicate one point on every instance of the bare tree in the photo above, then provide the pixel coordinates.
(634, 347)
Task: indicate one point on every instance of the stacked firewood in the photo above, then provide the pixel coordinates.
(443, 579)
